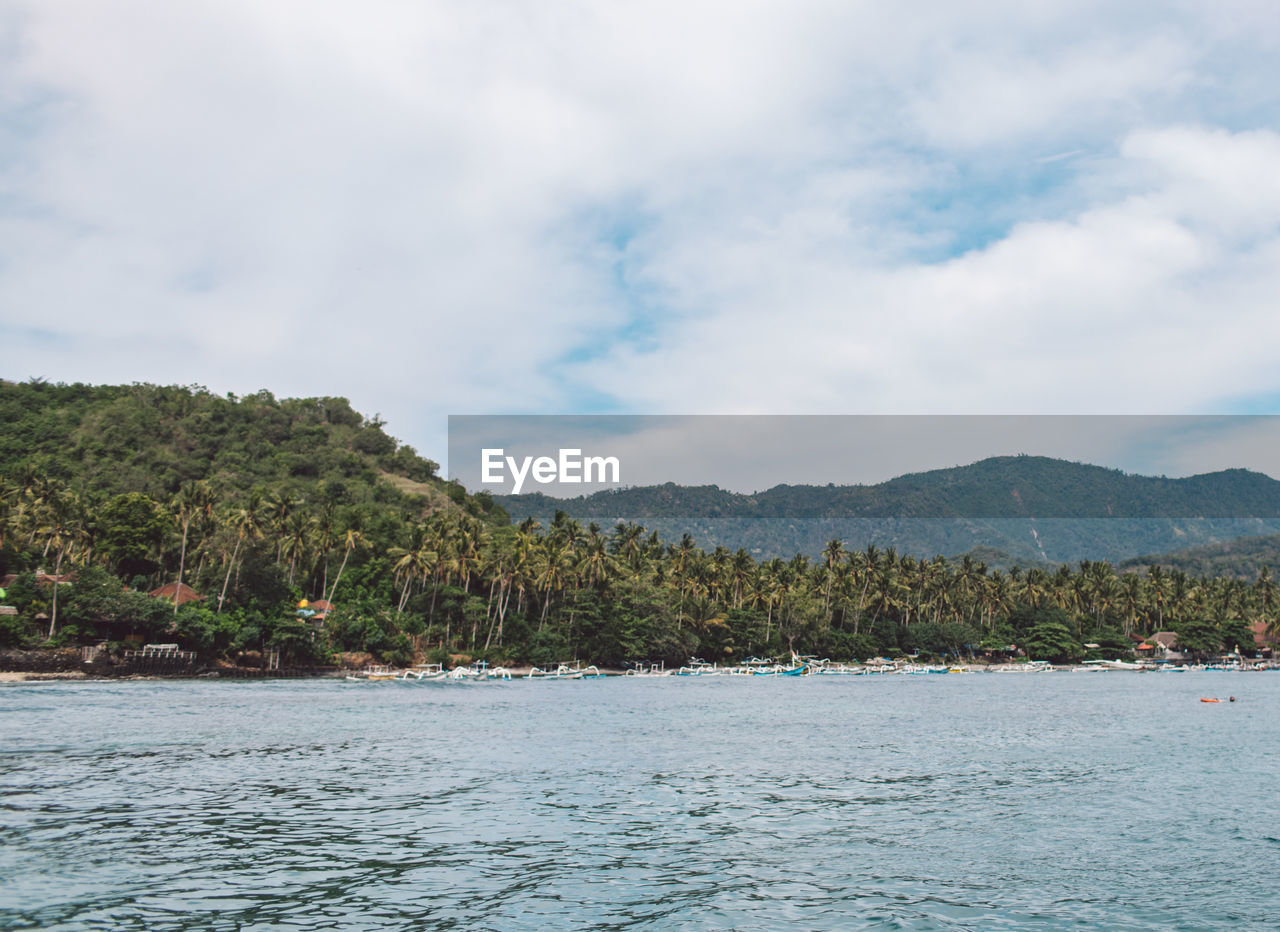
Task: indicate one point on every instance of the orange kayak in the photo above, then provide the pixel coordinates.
(1210, 700)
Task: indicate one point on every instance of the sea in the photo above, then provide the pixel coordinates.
(1113, 800)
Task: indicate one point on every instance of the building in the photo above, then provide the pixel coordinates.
(180, 592)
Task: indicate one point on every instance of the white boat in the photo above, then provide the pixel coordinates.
(653, 669)
(431, 673)
(828, 668)
(478, 673)
(426, 671)
(561, 672)
(1111, 665)
(1031, 666)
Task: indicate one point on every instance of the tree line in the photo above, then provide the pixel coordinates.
(409, 582)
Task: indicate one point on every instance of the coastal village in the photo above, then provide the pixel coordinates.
(134, 656)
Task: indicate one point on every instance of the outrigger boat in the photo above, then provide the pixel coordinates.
(779, 670)
(426, 671)
(564, 672)
(431, 673)
(373, 674)
(653, 669)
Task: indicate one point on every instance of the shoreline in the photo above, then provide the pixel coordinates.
(521, 673)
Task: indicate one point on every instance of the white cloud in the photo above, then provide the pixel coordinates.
(461, 207)
(1136, 305)
(991, 97)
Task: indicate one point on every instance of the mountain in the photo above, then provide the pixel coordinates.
(1034, 509)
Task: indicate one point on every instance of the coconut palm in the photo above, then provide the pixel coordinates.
(61, 527)
(553, 573)
(246, 521)
(1158, 592)
(326, 536)
(351, 539)
(296, 540)
(416, 561)
(193, 503)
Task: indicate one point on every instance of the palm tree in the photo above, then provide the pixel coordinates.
(554, 566)
(296, 539)
(351, 539)
(247, 523)
(1130, 600)
(740, 570)
(1158, 588)
(278, 507)
(325, 537)
(680, 559)
(628, 546)
(1000, 597)
(506, 566)
(417, 560)
(61, 528)
(1265, 590)
(596, 566)
(194, 502)
(832, 554)
(1034, 587)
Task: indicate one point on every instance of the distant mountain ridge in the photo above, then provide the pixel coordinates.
(997, 487)
(1033, 508)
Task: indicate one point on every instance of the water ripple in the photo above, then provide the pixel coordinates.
(966, 803)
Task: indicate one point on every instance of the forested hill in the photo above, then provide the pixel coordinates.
(1033, 509)
(1242, 558)
(115, 439)
(999, 487)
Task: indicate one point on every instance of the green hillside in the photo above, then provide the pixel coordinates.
(255, 502)
(154, 439)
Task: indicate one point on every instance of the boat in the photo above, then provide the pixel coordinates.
(426, 671)
(561, 672)
(653, 669)
(430, 673)
(783, 671)
(1031, 666)
(1111, 665)
(373, 674)
(827, 668)
(698, 668)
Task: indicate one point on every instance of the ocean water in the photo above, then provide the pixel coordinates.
(1043, 801)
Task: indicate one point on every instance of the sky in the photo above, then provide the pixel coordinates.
(439, 208)
(751, 453)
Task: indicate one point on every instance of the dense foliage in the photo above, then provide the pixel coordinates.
(1241, 558)
(260, 504)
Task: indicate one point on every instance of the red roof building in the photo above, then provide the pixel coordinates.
(181, 591)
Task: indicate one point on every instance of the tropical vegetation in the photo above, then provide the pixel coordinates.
(261, 505)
